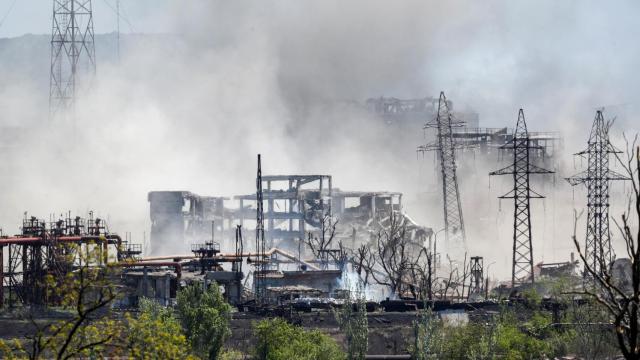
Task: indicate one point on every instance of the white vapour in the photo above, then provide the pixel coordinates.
(190, 109)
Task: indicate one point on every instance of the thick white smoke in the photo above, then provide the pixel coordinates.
(190, 109)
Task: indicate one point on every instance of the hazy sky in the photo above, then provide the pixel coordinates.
(244, 77)
(486, 55)
(34, 16)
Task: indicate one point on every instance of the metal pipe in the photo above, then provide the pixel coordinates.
(19, 240)
(187, 257)
(116, 237)
(268, 253)
(32, 240)
(118, 242)
(169, 257)
(176, 265)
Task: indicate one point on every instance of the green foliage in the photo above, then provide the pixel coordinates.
(279, 340)
(86, 294)
(91, 330)
(428, 336)
(531, 297)
(471, 341)
(502, 336)
(232, 355)
(353, 323)
(12, 350)
(205, 318)
(515, 342)
(155, 334)
(592, 336)
(499, 338)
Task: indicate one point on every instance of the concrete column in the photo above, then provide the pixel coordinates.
(373, 207)
(270, 212)
(290, 211)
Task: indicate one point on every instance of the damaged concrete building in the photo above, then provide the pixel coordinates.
(469, 136)
(182, 217)
(295, 208)
(293, 204)
(413, 113)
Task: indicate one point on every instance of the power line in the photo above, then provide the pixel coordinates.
(7, 13)
(118, 10)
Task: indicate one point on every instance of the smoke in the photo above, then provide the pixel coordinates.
(351, 281)
(190, 109)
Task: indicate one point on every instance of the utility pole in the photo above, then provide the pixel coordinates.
(597, 179)
(72, 53)
(521, 168)
(260, 249)
(445, 148)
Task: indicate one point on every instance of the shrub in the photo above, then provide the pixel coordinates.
(279, 340)
(205, 318)
(155, 334)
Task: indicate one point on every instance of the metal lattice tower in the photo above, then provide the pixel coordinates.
(597, 179)
(445, 148)
(72, 53)
(476, 286)
(260, 247)
(521, 169)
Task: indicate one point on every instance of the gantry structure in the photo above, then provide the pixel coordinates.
(521, 168)
(597, 179)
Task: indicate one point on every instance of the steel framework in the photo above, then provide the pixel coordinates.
(40, 251)
(476, 286)
(261, 262)
(72, 52)
(445, 148)
(521, 169)
(597, 179)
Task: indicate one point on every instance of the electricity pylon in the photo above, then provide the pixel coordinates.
(521, 169)
(445, 148)
(597, 179)
(261, 268)
(72, 53)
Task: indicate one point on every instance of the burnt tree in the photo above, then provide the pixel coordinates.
(622, 304)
